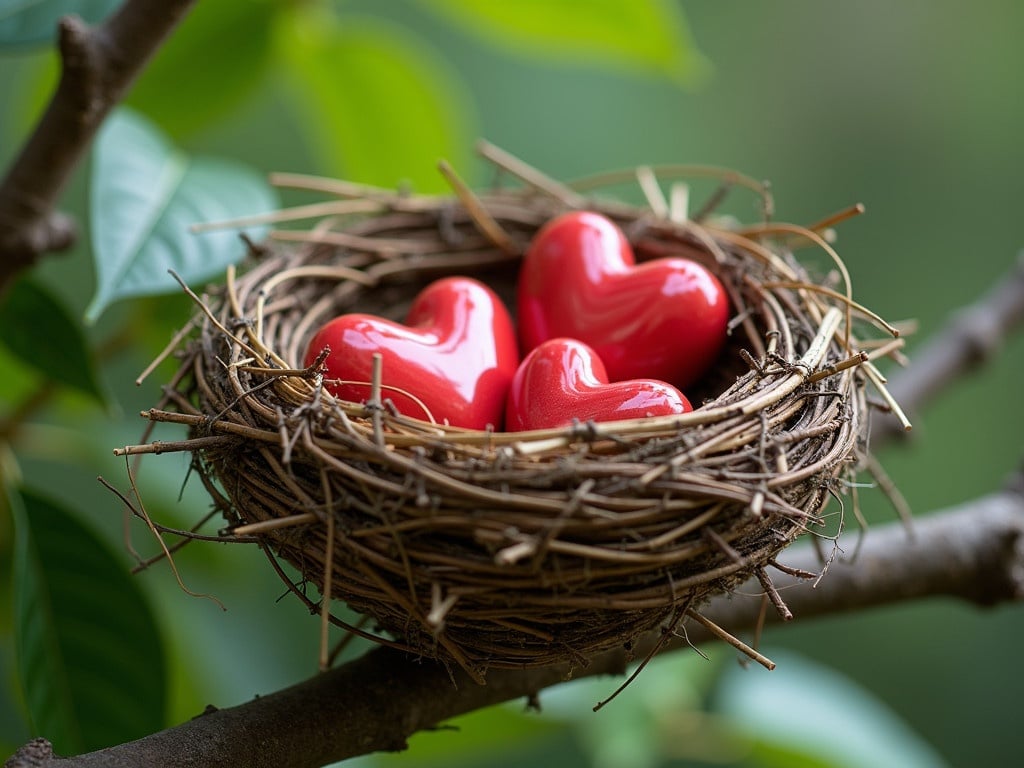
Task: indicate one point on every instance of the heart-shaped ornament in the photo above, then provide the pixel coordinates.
(564, 380)
(451, 363)
(665, 319)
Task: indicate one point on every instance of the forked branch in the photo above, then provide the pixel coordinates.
(98, 65)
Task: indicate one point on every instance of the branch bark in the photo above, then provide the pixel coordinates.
(974, 552)
(98, 66)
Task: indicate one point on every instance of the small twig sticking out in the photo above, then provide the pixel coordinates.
(888, 487)
(735, 642)
(296, 213)
(838, 217)
(213, 318)
(666, 634)
(439, 607)
(796, 573)
(889, 348)
(174, 446)
(331, 186)
(716, 199)
(484, 221)
(679, 203)
(375, 402)
(876, 378)
(263, 526)
(727, 549)
(184, 538)
(831, 370)
(762, 617)
(817, 239)
(768, 208)
(167, 351)
(652, 192)
(141, 513)
(773, 595)
(728, 179)
(530, 175)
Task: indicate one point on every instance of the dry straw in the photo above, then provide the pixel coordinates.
(492, 549)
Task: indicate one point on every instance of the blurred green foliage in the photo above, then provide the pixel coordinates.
(89, 654)
(37, 329)
(25, 23)
(144, 197)
(911, 108)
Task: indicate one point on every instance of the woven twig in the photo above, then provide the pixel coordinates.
(519, 549)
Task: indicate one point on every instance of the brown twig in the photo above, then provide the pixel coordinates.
(98, 65)
(974, 552)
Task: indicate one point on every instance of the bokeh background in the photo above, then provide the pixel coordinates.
(914, 109)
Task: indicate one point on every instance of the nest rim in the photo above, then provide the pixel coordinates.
(805, 372)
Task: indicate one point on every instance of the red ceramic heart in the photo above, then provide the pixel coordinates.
(450, 363)
(665, 319)
(562, 380)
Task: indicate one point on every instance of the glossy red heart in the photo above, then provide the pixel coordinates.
(563, 379)
(665, 319)
(450, 363)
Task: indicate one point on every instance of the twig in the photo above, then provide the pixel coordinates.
(98, 65)
(482, 218)
(530, 176)
(140, 512)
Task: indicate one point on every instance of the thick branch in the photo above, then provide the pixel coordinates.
(970, 338)
(974, 552)
(98, 65)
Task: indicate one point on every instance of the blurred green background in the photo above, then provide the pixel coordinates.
(914, 109)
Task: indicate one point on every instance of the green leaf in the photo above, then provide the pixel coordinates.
(232, 39)
(34, 22)
(13, 728)
(649, 35)
(38, 330)
(89, 654)
(808, 716)
(144, 197)
(380, 107)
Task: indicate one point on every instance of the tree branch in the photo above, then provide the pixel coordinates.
(974, 552)
(972, 336)
(98, 65)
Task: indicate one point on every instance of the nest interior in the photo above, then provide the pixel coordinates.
(519, 549)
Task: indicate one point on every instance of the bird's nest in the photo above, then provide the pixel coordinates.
(494, 549)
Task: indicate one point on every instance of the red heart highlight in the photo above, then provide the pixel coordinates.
(451, 362)
(665, 319)
(563, 379)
